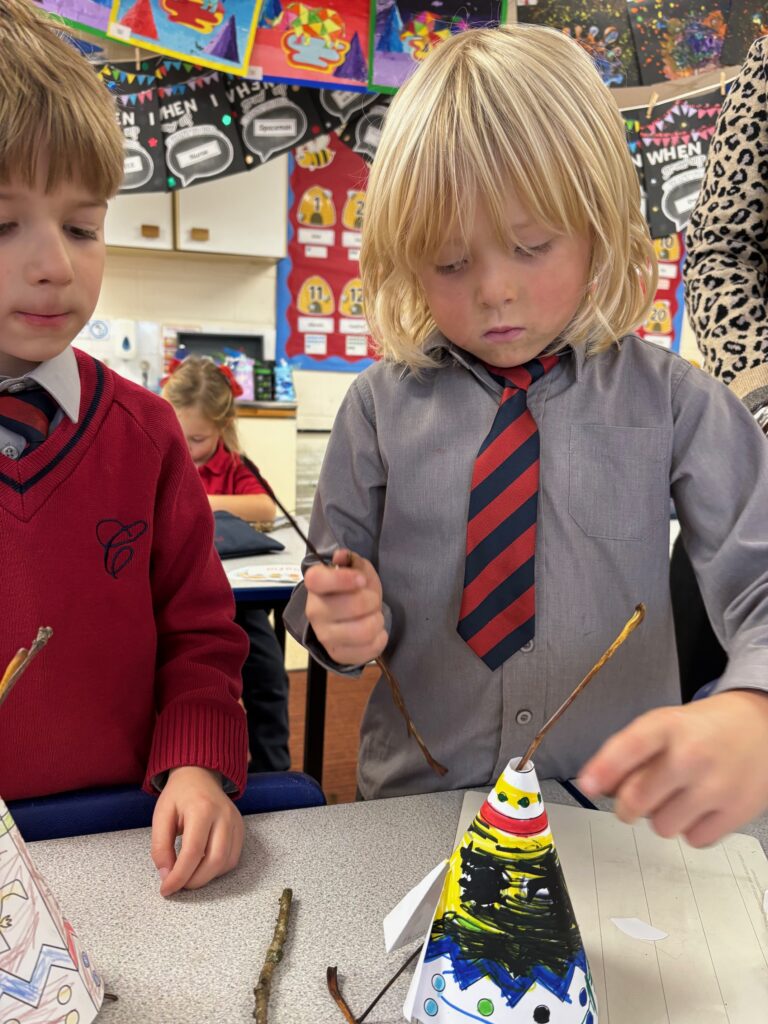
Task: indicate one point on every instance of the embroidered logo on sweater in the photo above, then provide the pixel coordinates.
(118, 539)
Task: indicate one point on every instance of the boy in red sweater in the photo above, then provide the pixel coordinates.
(105, 531)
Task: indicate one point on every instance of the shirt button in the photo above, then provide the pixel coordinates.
(523, 717)
(527, 647)
(18, 386)
(10, 452)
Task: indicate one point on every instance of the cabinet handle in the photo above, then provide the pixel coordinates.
(150, 231)
(200, 234)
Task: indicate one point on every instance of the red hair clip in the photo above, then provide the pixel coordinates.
(230, 379)
(173, 366)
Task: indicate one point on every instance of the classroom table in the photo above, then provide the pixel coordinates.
(275, 595)
(197, 956)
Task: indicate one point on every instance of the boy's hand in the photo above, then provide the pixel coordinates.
(344, 608)
(699, 770)
(194, 806)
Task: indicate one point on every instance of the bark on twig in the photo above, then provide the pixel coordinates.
(273, 958)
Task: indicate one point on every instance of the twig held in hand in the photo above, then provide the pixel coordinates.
(397, 695)
(637, 617)
(273, 958)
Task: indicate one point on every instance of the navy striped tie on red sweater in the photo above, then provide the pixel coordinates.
(28, 413)
(497, 614)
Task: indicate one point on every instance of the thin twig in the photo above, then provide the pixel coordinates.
(397, 694)
(21, 661)
(332, 980)
(273, 958)
(390, 983)
(637, 617)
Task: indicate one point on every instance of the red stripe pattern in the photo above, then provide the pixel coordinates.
(28, 413)
(497, 615)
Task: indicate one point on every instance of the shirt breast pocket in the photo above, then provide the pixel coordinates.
(618, 484)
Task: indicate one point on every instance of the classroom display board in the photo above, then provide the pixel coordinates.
(91, 15)
(204, 31)
(664, 324)
(321, 324)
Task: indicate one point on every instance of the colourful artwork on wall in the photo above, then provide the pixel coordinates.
(603, 30)
(503, 943)
(212, 33)
(403, 32)
(92, 15)
(45, 974)
(746, 23)
(677, 38)
(313, 44)
(321, 318)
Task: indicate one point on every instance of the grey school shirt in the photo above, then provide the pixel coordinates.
(620, 431)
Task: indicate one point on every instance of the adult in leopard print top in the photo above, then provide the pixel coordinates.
(726, 270)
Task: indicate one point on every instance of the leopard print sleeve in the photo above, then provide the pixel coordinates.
(726, 269)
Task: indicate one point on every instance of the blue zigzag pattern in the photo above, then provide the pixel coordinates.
(30, 991)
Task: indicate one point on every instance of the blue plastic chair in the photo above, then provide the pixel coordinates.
(85, 811)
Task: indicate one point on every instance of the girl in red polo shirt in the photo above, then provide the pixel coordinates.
(203, 396)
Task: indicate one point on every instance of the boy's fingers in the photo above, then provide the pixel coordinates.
(711, 827)
(193, 843)
(343, 607)
(322, 580)
(163, 843)
(216, 859)
(353, 633)
(646, 790)
(360, 654)
(624, 753)
(681, 812)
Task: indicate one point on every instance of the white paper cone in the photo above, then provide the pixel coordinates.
(504, 946)
(46, 977)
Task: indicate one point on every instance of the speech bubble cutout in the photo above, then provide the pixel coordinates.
(317, 54)
(138, 165)
(341, 104)
(368, 131)
(274, 127)
(679, 195)
(200, 152)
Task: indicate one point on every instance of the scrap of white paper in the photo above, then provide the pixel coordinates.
(637, 929)
(765, 904)
(415, 911)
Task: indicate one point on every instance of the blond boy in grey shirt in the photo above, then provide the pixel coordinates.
(502, 227)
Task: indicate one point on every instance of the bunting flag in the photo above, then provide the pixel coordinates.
(677, 38)
(674, 143)
(304, 44)
(602, 29)
(203, 31)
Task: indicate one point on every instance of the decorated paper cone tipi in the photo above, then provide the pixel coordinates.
(45, 975)
(504, 945)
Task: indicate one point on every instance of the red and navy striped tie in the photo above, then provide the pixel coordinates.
(497, 614)
(28, 413)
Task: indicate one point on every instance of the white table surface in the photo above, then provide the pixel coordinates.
(295, 549)
(196, 957)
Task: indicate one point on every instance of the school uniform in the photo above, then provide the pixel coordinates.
(619, 432)
(107, 537)
(265, 682)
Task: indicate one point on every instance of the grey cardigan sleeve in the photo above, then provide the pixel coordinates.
(726, 267)
(348, 507)
(720, 488)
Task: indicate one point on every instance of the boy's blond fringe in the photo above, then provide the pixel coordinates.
(56, 117)
(520, 110)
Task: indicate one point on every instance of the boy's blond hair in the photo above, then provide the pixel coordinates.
(198, 383)
(55, 114)
(517, 109)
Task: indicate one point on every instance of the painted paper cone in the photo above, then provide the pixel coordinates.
(45, 974)
(504, 945)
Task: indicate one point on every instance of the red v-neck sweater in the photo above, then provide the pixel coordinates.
(107, 536)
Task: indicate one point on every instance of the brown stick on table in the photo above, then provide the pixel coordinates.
(273, 958)
(637, 617)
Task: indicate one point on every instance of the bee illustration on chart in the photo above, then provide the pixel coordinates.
(316, 208)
